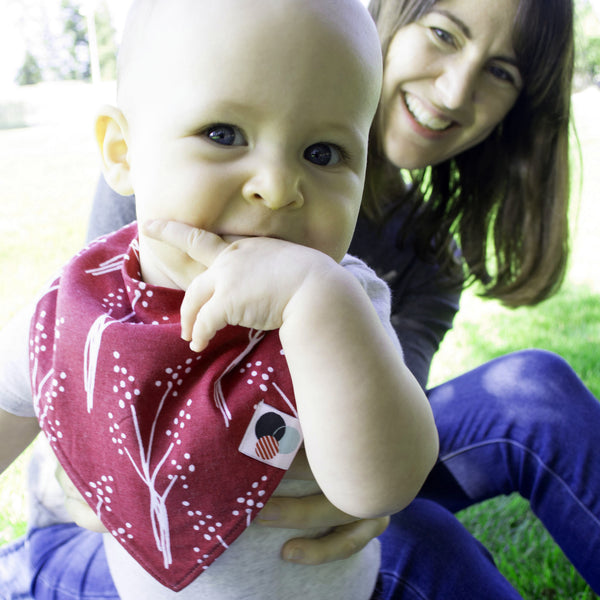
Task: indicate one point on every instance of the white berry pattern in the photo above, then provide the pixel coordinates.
(147, 429)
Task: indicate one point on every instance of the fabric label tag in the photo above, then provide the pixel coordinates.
(272, 437)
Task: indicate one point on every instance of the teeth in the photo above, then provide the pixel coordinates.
(423, 116)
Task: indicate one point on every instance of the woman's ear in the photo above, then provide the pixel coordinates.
(111, 135)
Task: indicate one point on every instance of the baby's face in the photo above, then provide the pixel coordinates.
(252, 125)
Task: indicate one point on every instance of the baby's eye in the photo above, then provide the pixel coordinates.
(226, 135)
(324, 154)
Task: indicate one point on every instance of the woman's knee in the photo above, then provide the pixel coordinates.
(534, 382)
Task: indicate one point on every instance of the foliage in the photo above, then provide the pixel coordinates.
(75, 55)
(107, 46)
(58, 42)
(587, 43)
(590, 58)
(30, 73)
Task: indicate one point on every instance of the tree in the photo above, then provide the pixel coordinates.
(107, 45)
(77, 30)
(30, 73)
(587, 63)
(73, 45)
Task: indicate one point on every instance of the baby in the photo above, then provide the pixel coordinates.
(242, 129)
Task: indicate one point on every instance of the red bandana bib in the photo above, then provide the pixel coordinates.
(175, 451)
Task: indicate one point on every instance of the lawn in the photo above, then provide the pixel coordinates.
(48, 178)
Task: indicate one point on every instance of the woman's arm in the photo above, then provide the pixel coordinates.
(110, 211)
(16, 433)
(18, 425)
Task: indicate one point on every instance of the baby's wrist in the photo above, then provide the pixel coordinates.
(318, 296)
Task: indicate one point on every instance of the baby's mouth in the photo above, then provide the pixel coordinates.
(423, 115)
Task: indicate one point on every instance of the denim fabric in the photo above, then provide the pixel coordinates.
(15, 571)
(523, 423)
(69, 563)
(427, 553)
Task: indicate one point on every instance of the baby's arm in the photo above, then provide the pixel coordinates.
(369, 432)
(368, 429)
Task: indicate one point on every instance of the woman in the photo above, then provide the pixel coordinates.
(476, 103)
(475, 110)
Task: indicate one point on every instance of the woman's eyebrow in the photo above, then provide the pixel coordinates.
(458, 22)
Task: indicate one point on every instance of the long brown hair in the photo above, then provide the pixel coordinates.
(505, 201)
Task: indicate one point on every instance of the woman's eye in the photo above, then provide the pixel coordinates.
(443, 36)
(502, 74)
(226, 135)
(324, 155)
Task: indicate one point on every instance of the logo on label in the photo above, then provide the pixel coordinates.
(272, 437)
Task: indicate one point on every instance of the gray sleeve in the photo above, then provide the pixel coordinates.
(421, 316)
(377, 290)
(15, 388)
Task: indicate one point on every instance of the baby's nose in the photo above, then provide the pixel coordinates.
(276, 186)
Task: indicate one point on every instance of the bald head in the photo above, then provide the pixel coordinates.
(288, 35)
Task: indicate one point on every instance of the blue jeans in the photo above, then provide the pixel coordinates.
(523, 423)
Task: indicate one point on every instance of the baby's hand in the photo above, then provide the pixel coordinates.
(248, 281)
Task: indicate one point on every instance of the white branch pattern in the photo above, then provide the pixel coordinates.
(254, 337)
(158, 510)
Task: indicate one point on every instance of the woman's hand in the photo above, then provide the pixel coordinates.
(347, 536)
(79, 510)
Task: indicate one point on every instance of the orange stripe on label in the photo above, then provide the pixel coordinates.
(267, 447)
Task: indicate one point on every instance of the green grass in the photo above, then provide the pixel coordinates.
(524, 551)
(49, 174)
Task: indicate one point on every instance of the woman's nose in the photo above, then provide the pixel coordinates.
(275, 184)
(457, 83)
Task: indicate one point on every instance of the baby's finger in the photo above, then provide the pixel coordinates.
(197, 295)
(210, 319)
(203, 246)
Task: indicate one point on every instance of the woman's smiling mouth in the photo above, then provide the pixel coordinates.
(423, 115)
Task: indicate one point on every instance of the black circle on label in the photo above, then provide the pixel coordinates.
(270, 424)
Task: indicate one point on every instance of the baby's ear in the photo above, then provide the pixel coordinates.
(111, 135)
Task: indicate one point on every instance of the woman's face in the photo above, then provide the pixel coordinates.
(449, 79)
